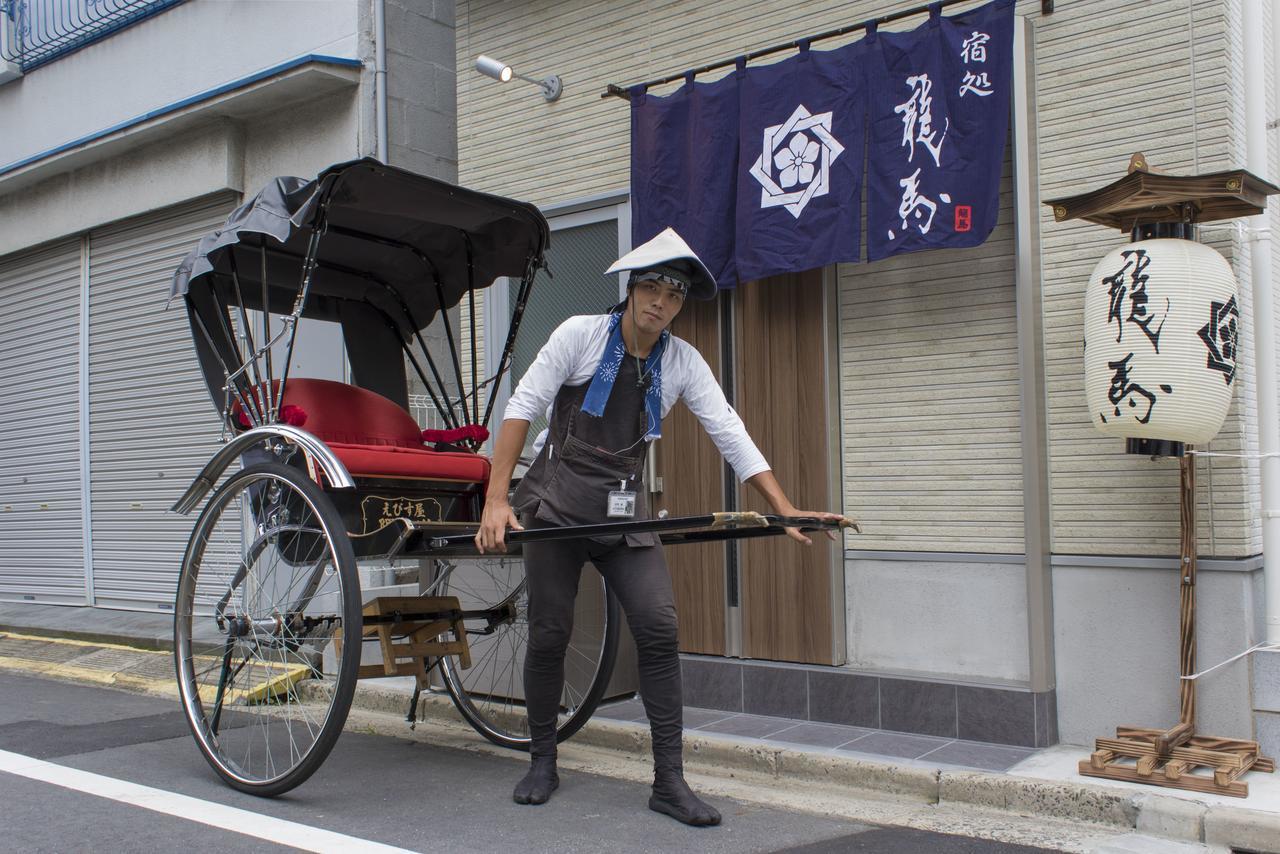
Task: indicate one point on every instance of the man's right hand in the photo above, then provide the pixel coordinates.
(494, 521)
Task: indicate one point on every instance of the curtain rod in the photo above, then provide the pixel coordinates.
(613, 90)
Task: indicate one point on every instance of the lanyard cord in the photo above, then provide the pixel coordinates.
(647, 419)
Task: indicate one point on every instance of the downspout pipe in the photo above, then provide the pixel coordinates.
(1264, 328)
(380, 75)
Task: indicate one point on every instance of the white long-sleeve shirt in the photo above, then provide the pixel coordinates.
(572, 354)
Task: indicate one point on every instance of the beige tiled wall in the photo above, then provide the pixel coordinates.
(1113, 77)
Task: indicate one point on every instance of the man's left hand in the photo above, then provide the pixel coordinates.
(832, 533)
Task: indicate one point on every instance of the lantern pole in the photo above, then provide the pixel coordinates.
(1187, 588)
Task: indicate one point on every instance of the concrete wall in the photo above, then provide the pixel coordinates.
(947, 618)
(1266, 699)
(191, 48)
(202, 161)
(1117, 646)
(422, 102)
(292, 123)
(301, 139)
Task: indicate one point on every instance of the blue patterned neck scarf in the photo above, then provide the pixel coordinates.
(615, 350)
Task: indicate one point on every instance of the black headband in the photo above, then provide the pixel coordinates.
(661, 276)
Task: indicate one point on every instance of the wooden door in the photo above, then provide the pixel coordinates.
(691, 473)
(785, 593)
(788, 591)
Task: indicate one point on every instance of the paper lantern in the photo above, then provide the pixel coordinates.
(1161, 319)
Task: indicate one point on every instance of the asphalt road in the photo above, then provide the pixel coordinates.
(372, 789)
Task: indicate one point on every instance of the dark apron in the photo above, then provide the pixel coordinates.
(586, 457)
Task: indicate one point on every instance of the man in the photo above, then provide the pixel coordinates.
(611, 379)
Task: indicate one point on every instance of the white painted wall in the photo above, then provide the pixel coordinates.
(186, 50)
(217, 155)
(194, 164)
(302, 139)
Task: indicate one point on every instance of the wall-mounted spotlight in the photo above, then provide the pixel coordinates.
(498, 70)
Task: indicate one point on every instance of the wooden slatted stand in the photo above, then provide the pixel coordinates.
(407, 640)
(1174, 756)
(1227, 759)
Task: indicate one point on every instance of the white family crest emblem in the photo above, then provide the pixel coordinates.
(801, 149)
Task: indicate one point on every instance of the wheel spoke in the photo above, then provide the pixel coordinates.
(490, 694)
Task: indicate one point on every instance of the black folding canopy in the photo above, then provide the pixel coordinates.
(384, 250)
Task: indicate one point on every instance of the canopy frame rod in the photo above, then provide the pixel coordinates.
(449, 415)
(471, 311)
(246, 340)
(318, 229)
(504, 362)
(453, 349)
(407, 346)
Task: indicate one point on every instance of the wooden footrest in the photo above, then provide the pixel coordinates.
(407, 643)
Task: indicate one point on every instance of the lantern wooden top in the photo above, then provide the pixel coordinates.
(1144, 196)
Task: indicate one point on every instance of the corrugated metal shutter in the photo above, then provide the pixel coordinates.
(929, 393)
(151, 425)
(41, 535)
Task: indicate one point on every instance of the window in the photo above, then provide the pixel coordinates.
(583, 245)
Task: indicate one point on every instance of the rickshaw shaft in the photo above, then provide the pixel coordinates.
(431, 616)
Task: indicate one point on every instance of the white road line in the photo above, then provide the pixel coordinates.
(192, 809)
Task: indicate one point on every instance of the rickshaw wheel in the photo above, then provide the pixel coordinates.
(267, 628)
(490, 694)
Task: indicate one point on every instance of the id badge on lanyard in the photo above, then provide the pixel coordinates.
(622, 502)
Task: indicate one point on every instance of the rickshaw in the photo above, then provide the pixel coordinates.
(319, 480)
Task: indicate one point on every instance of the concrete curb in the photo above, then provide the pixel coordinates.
(1075, 801)
(799, 771)
(1238, 828)
(1149, 814)
(902, 781)
(139, 630)
(1173, 818)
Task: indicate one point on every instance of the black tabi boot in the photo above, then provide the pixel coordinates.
(541, 780)
(672, 795)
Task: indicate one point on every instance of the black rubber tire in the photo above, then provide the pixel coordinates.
(329, 530)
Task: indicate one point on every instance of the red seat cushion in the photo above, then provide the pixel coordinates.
(374, 436)
(384, 461)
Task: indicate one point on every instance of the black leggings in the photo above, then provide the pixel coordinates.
(639, 578)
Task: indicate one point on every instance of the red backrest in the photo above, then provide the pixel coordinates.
(337, 412)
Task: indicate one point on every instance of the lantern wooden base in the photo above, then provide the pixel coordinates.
(1173, 758)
